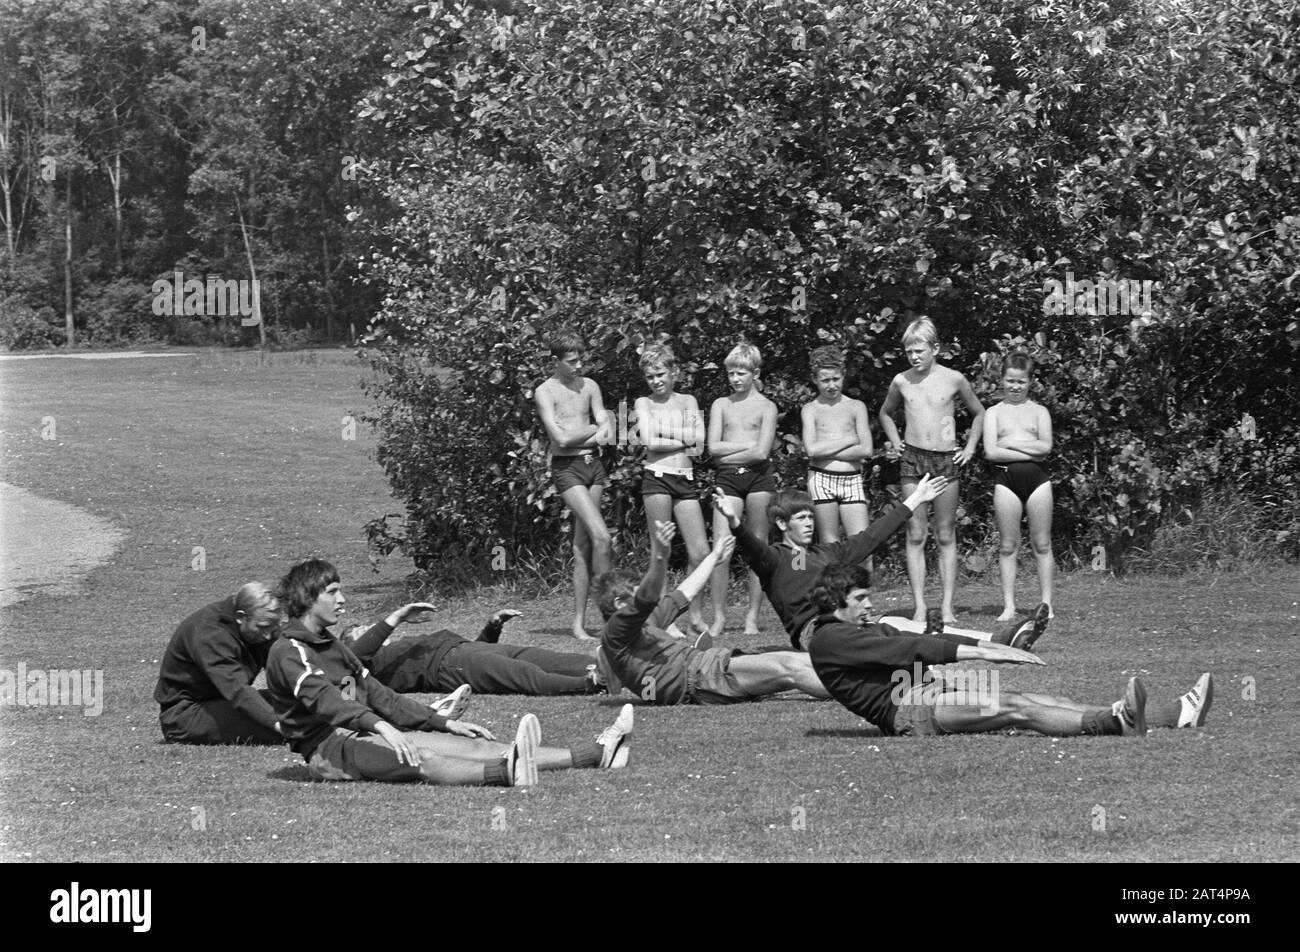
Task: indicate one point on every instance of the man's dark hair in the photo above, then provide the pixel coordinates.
(610, 586)
(832, 589)
(303, 583)
(565, 341)
(788, 503)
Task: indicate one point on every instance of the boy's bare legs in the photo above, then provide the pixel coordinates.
(945, 534)
(690, 523)
(1007, 510)
(826, 517)
(1040, 537)
(776, 671)
(855, 517)
(659, 508)
(756, 522)
(721, 574)
(916, 532)
(591, 549)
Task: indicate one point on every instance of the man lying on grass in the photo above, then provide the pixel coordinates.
(348, 726)
(445, 662)
(205, 687)
(636, 651)
(884, 676)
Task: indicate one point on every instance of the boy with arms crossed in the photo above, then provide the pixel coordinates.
(672, 429)
(348, 726)
(837, 439)
(1017, 438)
(927, 393)
(636, 652)
(742, 428)
(571, 410)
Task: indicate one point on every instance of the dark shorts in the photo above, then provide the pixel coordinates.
(740, 481)
(826, 485)
(1021, 478)
(709, 679)
(669, 484)
(347, 755)
(915, 716)
(916, 463)
(584, 470)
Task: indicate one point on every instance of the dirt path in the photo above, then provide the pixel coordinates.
(46, 546)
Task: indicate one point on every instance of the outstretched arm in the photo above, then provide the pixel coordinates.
(692, 584)
(998, 654)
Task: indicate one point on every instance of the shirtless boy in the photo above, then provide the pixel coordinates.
(672, 428)
(742, 428)
(928, 393)
(837, 439)
(576, 423)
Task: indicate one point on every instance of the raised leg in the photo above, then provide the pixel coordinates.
(776, 671)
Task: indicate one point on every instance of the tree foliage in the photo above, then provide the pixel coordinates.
(802, 172)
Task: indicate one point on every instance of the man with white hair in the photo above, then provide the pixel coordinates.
(205, 686)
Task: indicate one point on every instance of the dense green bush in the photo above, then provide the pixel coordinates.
(799, 173)
(22, 327)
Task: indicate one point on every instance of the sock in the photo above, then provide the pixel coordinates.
(1101, 722)
(495, 775)
(491, 632)
(586, 755)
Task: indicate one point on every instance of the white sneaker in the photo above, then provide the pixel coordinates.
(1196, 702)
(521, 758)
(454, 705)
(614, 740)
(1132, 711)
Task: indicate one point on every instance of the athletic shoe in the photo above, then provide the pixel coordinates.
(1132, 711)
(521, 758)
(1032, 628)
(933, 622)
(1196, 702)
(454, 705)
(606, 672)
(614, 740)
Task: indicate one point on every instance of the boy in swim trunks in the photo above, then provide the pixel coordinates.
(636, 652)
(927, 393)
(1017, 438)
(672, 428)
(742, 428)
(837, 439)
(571, 410)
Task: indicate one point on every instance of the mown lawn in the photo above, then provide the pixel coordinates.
(249, 462)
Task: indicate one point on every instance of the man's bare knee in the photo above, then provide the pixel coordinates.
(945, 535)
(1042, 546)
(1008, 547)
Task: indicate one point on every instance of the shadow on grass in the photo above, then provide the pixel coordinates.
(293, 775)
(843, 732)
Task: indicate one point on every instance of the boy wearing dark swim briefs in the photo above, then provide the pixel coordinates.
(927, 393)
(672, 428)
(742, 428)
(1017, 438)
(571, 410)
(837, 439)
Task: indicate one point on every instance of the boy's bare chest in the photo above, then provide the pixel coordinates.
(571, 405)
(930, 394)
(1017, 421)
(832, 421)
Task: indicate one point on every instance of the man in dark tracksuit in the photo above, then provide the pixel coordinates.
(443, 661)
(788, 570)
(884, 676)
(349, 726)
(205, 685)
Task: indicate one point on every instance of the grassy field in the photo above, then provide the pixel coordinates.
(248, 461)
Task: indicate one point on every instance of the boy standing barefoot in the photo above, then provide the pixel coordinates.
(671, 427)
(742, 427)
(1017, 438)
(576, 423)
(928, 393)
(837, 439)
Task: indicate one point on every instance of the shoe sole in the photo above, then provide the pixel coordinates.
(620, 756)
(455, 704)
(524, 751)
(1135, 698)
(1208, 699)
(1024, 640)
